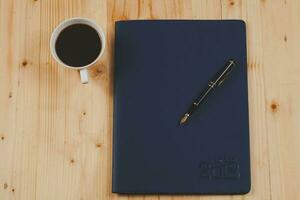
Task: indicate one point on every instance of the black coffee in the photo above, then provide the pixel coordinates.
(78, 45)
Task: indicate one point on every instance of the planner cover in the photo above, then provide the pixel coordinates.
(161, 66)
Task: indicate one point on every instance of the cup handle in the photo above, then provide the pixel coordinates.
(84, 76)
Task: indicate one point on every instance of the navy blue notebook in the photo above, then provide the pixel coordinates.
(161, 66)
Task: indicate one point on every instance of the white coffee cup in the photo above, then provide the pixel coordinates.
(78, 20)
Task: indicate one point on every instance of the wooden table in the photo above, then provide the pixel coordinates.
(56, 134)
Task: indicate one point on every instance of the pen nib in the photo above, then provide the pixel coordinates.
(184, 118)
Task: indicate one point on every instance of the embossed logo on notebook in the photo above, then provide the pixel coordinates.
(225, 168)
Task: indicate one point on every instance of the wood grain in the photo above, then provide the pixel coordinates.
(56, 134)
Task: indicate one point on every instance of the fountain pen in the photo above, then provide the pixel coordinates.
(212, 85)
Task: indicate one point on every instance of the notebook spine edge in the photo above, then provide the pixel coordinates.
(114, 149)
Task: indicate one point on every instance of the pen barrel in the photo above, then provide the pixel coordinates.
(221, 76)
(200, 100)
(210, 87)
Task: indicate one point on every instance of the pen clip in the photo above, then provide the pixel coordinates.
(225, 76)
